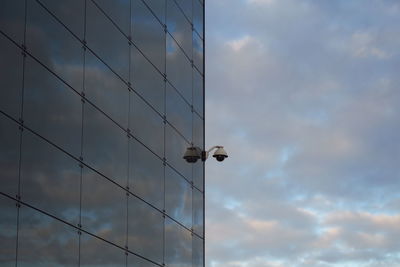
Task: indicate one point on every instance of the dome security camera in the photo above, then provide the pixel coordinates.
(192, 154)
(220, 154)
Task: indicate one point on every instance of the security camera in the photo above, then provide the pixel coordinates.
(192, 154)
(220, 154)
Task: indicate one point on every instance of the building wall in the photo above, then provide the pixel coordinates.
(98, 101)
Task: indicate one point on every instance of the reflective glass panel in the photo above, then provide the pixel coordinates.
(145, 230)
(198, 17)
(71, 13)
(12, 19)
(51, 108)
(198, 212)
(178, 245)
(53, 45)
(198, 92)
(9, 157)
(197, 251)
(158, 7)
(50, 179)
(148, 34)
(105, 145)
(96, 252)
(186, 7)
(44, 241)
(11, 78)
(106, 90)
(198, 52)
(175, 147)
(118, 11)
(198, 135)
(147, 125)
(178, 197)
(107, 41)
(179, 69)
(179, 26)
(198, 174)
(178, 112)
(8, 231)
(147, 81)
(146, 174)
(134, 261)
(104, 207)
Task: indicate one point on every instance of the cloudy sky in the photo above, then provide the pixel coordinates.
(304, 95)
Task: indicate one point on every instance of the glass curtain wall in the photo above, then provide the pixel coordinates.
(98, 102)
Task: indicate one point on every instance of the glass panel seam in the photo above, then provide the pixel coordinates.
(58, 20)
(183, 13)
(111, 20)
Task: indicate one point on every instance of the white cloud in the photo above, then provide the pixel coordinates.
(244, 42)
(363, 46)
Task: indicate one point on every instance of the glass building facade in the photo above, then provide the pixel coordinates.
(99, 100)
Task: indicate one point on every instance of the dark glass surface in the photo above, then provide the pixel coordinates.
(198, 52)
(118, 11)
(11, 78)
(105, 145)
(106, 90)
(134, 261)
(146, 174)
(175, 147)
(50, 179)
(178, 198)
(198, 212)
(158, 8)
(147, 125)
(53, 45)
(179, 70)
(197, 251)
(148, 34)
(198, 174)
(71, 13)
(44, 241)
(178, 112)
(178, 245)
(147, 81)
(179, 26)
(51, 108)
(104, 208)
(8, 231)
(158, 114)
(198, 92)
(198, 17)
(186, 7)
(9, 159)
(96, 252)
(107, 41)
(145, 230)
(198, 123)
(12, 19)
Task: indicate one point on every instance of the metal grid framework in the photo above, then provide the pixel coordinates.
(98, 102)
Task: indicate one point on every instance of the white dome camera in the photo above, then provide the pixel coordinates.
(192, 154)
(220, 154)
